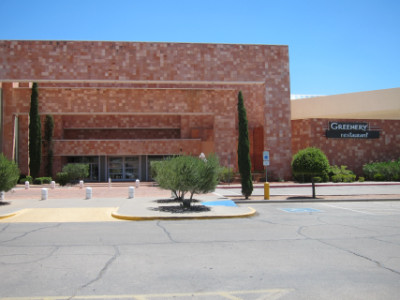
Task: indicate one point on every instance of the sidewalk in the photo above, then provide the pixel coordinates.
(68, 203)
(295, 192)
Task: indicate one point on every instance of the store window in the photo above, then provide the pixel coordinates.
(124, 168)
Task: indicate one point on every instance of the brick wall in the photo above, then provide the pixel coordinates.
(76, 60)
(353, 153)
(92, 88)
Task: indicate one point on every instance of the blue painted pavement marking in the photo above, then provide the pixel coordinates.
(302, 209)
(220, 203)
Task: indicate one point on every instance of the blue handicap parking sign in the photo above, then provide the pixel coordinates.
(301, 209)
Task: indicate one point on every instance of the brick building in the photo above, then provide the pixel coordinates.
(120, 105)
(352, 129)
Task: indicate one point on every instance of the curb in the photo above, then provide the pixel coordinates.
(183, 217)
(9, 215)
(310, 201)
(298, 185)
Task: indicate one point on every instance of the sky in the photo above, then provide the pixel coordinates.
(335, 47)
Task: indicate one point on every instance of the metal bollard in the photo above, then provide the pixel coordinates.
(109, 182)
(131, 193)
(2, 196)
(266, 191)
(44, 193)
(137, 183)
(88, 193)
(27, 185)
(80, 184)
(53, 185)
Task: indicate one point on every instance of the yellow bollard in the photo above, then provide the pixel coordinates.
(266, 191)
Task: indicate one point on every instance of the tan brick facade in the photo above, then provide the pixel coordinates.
(142, 99)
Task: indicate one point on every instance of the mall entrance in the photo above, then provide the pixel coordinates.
(124, 168)
(118, 168)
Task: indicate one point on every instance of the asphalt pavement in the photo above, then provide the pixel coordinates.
(287, 251)
(111, 203)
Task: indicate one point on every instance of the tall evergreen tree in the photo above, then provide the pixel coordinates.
(35, 134)
(244, 150)
(48, 137)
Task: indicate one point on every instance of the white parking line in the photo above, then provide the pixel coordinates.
(268, 294)
(341, 207)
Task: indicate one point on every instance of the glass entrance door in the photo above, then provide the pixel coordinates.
(115, 168)
(123, 168)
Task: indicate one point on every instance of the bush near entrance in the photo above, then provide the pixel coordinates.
(42, 180)
(72, 173)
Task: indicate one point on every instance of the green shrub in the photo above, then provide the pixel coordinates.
(317, 179)
(310, 162)
(337, 178)
(389, 171)
(187, 174)
(225, 174)
(379, 177)
(341, 174)
(26, 178)
(361, 179)
(9, 174)
(76, 172)
(42, 180)
(38, 181)
(62, 178)
(349, 178)
(47, 180)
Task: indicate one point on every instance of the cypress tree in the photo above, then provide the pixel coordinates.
(244, 150)
(35, 134)
(48, 137)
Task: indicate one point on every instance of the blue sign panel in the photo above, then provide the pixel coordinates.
(300, 210)
(266, 155)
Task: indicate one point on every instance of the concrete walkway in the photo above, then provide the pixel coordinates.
(70, 204)
(295, 192)
(111, 203)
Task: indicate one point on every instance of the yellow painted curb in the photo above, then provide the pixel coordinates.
(150, 218)
(7, 216)
(13, 214)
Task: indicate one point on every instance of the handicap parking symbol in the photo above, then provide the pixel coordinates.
(300, 210)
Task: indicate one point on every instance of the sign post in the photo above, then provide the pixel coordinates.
(266, 184)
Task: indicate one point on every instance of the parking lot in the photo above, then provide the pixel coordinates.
(331, 250)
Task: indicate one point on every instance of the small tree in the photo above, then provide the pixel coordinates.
(206, 175)
(35, 134)
(9, 174)
(244, 161)
(186, 174)
(48, 137)
(310, 162)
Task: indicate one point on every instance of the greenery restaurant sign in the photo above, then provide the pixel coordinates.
(346, 130)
